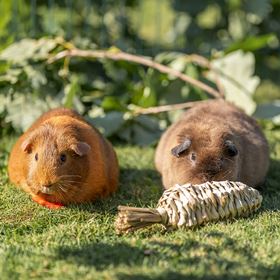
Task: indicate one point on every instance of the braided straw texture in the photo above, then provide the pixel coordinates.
(190, 205)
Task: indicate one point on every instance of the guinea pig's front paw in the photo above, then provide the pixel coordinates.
(45, 203)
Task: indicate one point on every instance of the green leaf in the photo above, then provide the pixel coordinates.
(12, 76)
(145, 130)
(167, 57)
(145, 97)
(114, 71)
(6, 15)
(251, 43)
(111, 103)
(110, 123)
(257, 10)
(125, 133)
(70, 92)
(36, 74)
(179, 63)
(210, 17)
(26, 49)
(192, 71)
(269, 111)
(236, 75)
(150, 123)
(267, 92)
(44, 47)
(175, 93)
(142, 130)
(238, 26)
(175, 115)
(20, 51)
(24, 109)
(6, 8)
(3, 103)
(143, 136)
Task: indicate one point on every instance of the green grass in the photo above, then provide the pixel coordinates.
(79, 242)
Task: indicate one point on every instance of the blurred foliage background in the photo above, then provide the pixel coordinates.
(239, 37)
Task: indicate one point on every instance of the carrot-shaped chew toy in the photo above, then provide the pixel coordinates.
(190, 205)
(45, 203)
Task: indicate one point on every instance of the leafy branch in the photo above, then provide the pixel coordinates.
(129, 94)
(117, 55)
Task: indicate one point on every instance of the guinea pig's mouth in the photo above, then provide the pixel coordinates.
(48, 189)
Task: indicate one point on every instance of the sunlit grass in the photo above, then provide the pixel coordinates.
(79, 242)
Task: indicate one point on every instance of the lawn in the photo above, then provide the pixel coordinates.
(79, 242)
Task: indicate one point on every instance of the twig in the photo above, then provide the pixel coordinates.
(205, 63)
(165, 108)
(119, 55)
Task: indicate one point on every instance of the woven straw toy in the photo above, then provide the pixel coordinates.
(190, 205)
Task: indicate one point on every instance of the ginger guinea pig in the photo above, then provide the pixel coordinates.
(62, 159)
(213, 141)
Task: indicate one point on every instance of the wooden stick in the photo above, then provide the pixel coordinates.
(119, 55)
(166, 108)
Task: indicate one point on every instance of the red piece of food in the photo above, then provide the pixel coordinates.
(43, 202)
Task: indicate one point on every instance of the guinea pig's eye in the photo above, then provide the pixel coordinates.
(193, 156)
(231, 149)
(62, 157)
(36, 156)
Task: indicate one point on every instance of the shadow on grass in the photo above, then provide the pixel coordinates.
(137, 187)
(143, 187)
(271, 189)
(189, 260)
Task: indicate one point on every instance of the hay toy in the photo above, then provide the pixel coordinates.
(188, 205)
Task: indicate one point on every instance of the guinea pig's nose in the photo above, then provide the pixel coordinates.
(213, 169)
(47, 185)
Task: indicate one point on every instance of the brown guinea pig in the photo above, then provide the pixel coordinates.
(213, 141)
(62, 159)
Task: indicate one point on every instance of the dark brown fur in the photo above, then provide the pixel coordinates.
(89, 172)
(213, 132)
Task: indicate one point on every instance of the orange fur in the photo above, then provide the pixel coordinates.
(89, 172)
(208, 126)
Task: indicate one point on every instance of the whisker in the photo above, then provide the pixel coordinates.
(61, 187)
(71, 181)
(63, 195)
(227, 173)
(66, 195)
(69, 175)
(69, 186)
(229, 159)
(66, 185)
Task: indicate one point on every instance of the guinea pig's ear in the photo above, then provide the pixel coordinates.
(80, 148)
(181, 148)
(230, 148)
(26, 145)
